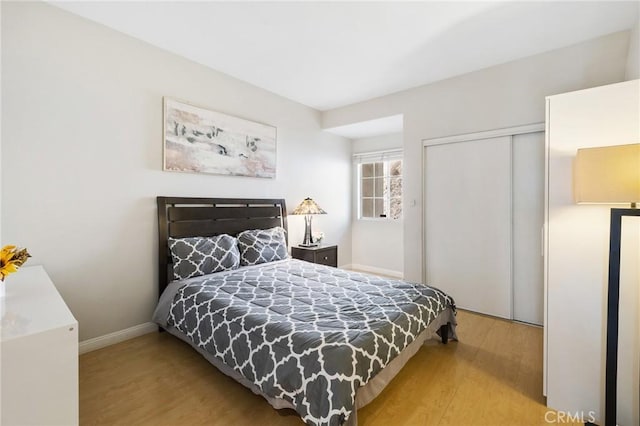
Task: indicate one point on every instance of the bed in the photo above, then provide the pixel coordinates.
(319, 340)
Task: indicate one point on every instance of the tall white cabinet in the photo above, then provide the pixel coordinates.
(576, 260)
(39, 353)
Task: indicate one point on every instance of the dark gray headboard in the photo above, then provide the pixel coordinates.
(204, 217)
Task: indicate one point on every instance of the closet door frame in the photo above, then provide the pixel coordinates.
(467, 137)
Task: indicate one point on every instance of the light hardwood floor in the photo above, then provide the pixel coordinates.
(491, 376)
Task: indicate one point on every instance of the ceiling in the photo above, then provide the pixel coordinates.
(330, 54)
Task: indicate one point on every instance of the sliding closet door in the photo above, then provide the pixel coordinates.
(468, 223)
(528, 218)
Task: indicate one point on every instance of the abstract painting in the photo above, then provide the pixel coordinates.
(203, 141)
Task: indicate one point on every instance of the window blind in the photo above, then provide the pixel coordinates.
(376, 156)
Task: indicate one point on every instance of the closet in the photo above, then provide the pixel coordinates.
(484, 212)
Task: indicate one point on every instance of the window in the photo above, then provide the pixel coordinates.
(380, 188)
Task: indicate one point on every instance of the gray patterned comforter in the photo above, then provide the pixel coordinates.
(306, 333)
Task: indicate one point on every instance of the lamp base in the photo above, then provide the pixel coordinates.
(309, 245)
(308, 236)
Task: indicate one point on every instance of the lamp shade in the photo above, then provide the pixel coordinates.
(308, 206)
(608, 175)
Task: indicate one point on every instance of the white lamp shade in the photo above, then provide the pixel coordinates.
(607, 175)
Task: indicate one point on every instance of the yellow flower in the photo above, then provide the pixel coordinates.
(7, 253)
(11, 259)
(7, 269)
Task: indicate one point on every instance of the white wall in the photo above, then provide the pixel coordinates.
(377, 245)
(577, 260)
(506, 95)
(82, 158)
(633, 57)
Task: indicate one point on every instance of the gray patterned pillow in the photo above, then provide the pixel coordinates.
(195, 256)
(262, 245)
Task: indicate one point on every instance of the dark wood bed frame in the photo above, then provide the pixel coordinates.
(181, 217)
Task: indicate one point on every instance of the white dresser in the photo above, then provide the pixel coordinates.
(39, 353)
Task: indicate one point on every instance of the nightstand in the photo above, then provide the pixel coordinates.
(324, 255)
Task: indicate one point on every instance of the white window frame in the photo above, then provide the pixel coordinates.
(373, 157)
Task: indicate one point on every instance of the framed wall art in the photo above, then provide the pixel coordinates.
(199, 140)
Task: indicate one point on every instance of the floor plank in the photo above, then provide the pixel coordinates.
(491, 376)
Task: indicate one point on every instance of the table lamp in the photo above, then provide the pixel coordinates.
(308, 207)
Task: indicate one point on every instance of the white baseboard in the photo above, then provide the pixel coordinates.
(374, 270)
(116, 337)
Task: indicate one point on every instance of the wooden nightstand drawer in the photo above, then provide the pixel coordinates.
(328, 256)
(321, 255)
